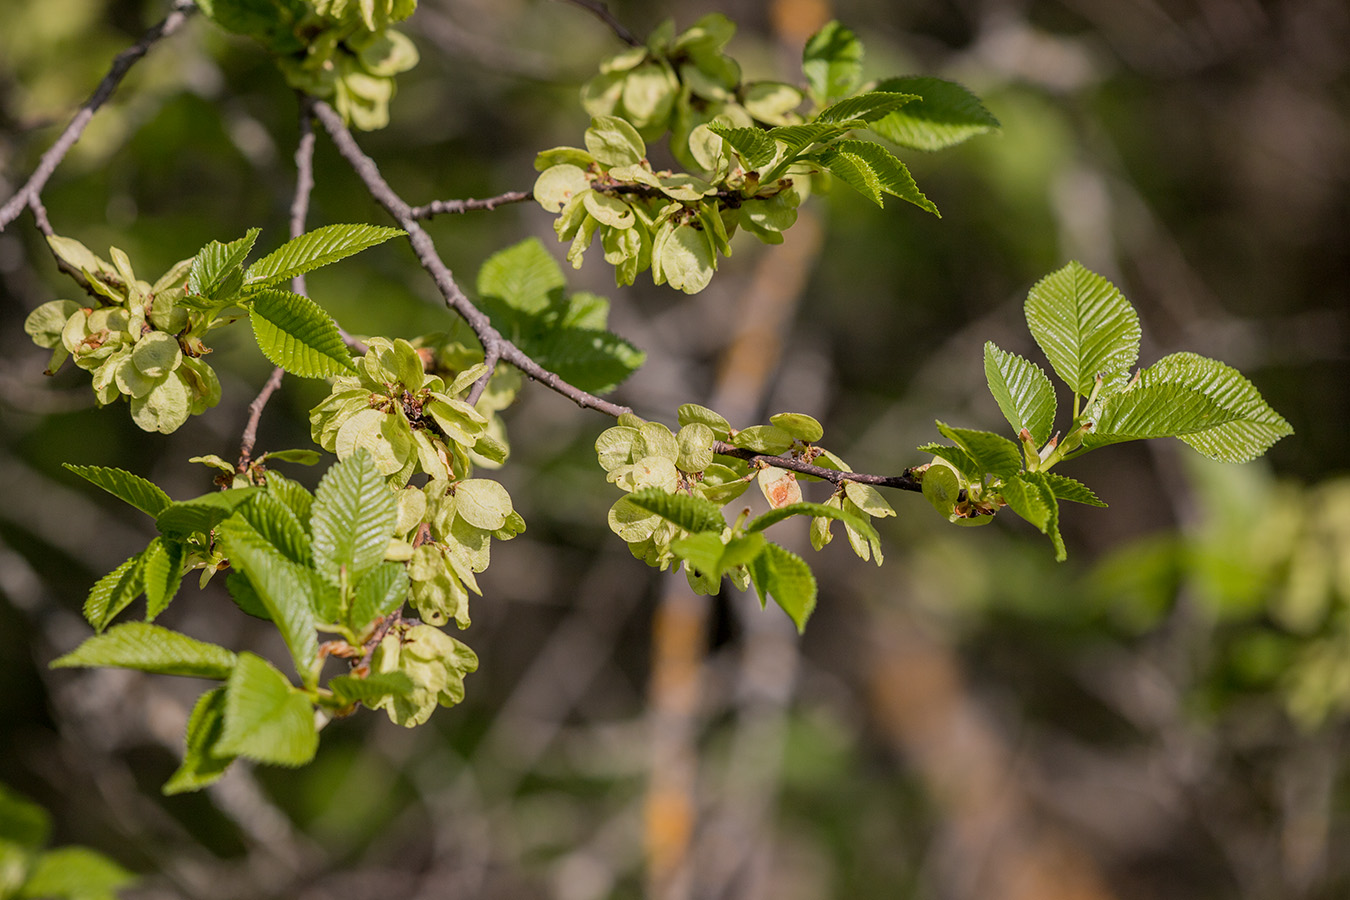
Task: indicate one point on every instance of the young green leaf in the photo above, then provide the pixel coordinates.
(1051, 527)
(22, 822)
(163, 573)
(1153, 410)
(132, 489)
(1028, 501)
(310, 251)
(959, 459)
(216, 271)
(832, 62)
(871, 170)
(768, 439)
(266, 719)
(292, 493)
(283, 588)
(295, 333)
(990, 452)
(785, 576)
(796, 138)
(1065, 488)
(1084, 326)
(114, 592)
(277, 525)
(816, 510)
(707, 554)
(690, 513)
(690, 413)
(380, 592)
(868, 107)
(199, 515)
(151, 648)
(1254, 426)
(353, 519)
(524, 276)
(202, 765)
(754, 146)
(77, 873)
(944, 115)
(1022, 390)
(614, 142)
(799, 425)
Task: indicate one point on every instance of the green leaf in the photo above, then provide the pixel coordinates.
(350, 689)
(163, 573)
(216, 271)
(265, 718)
(353, 519)
(1022, 390)
(22, 822)
(283, 588)
(1254, 426)
(956, 456)
(114, 592)
(277, 525)
(797, 138)
(868, 107)
(310, 251)
(990, 452)
(1051, 527)
(1084, 326)
(151, 648)
(693, 514)
(292, 493)
(869, 167)
(524, 276)
(202, 765)
(1152, 410)
(133, 489)
(832, 62)
(1065, 488)
(380, 592)
(1028, 500)
(945, 115)
(754, 146)
(707, 554)
(199, 515)
(75, 873)
(773, 516)
(295, 333)
(785, 576)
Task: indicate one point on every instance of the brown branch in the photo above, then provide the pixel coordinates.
(494, 345)
(121, 64)
(601, 12)
(444, 207)
(905, 481)
(255, 410)
(304, 178)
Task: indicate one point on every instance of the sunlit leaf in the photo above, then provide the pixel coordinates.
(151, 648)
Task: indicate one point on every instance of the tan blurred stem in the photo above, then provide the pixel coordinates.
(680, 630)
(999, 848)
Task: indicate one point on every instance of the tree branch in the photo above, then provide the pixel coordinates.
(905, 481)
(494, 345)
(122, 63)
(442, 207)
(601, 12)
(255, 410)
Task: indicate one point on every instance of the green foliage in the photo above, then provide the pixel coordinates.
(145, 342)
(65, 873)
(338, 50)
(755, 154)
(1090, 334)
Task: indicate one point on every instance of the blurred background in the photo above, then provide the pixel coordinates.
(1162, 716)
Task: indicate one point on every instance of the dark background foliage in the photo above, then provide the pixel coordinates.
(1163, 716)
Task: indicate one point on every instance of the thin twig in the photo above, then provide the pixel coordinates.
(255, 410)
(905, 481)
(494, 345)
(442, 207)
(304, 178)
(121, 64)
(601, 11)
